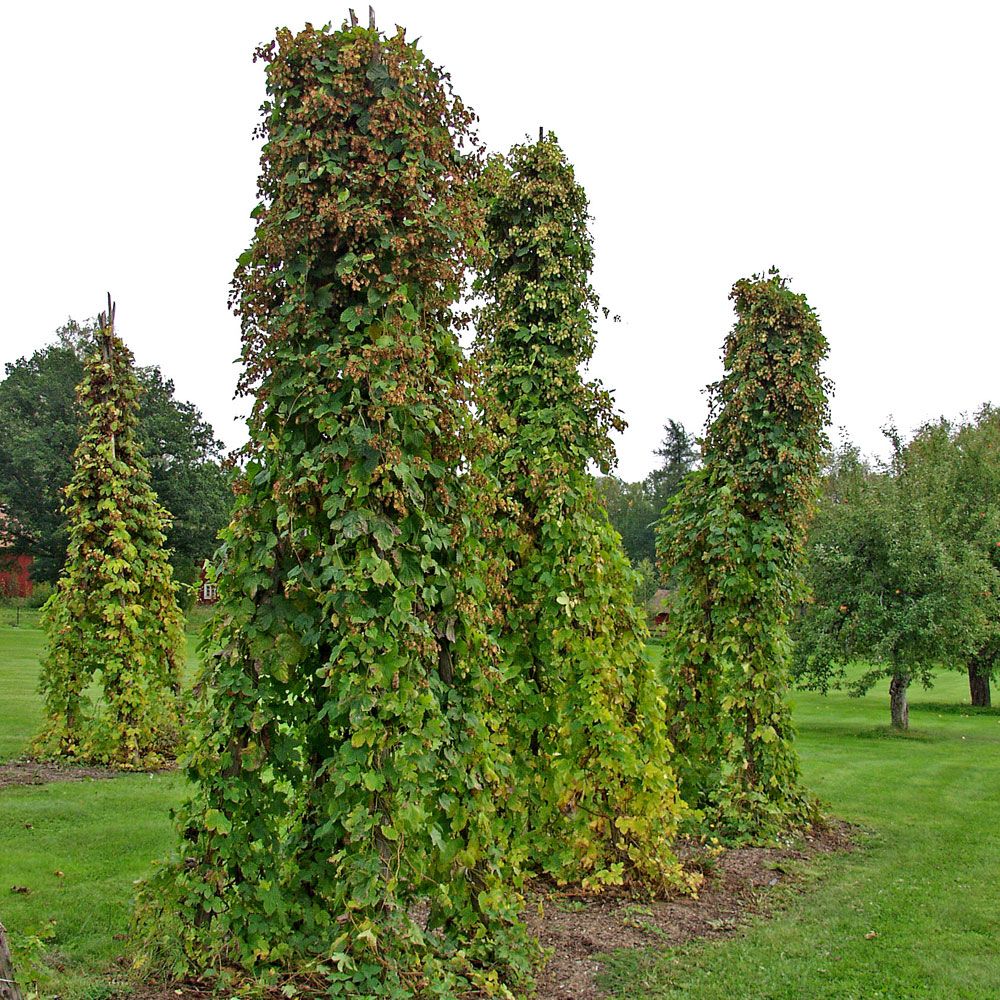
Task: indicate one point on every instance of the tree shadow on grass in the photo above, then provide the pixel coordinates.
(848, 729)
(906, 735)
(945, 708)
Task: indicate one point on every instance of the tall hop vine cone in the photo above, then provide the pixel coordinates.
(731, 544)
(342, 818)
(114, 618)
(595, 800)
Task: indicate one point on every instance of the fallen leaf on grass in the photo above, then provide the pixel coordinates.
(870, 935)
(725, 924)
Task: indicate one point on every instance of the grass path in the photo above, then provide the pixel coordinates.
(925, 880)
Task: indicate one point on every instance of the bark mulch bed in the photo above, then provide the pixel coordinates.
(580, 928)
(577, 928)
(40, 772)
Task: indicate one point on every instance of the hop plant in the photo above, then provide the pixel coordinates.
(594, 797)
(114, 614)
(731, 546)
(342, 821)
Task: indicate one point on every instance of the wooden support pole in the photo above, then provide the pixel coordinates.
(377, 54)
(8, 984)
(106, 323)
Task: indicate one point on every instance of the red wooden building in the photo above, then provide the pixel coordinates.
(15, 579)
(207, 591)
(659, 610)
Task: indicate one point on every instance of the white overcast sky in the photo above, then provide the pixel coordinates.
(855, 145)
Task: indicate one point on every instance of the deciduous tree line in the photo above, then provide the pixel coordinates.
(634, 508)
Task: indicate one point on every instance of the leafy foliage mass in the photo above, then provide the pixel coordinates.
(974, 515)
(731, 546)
(904, 564)
(40, 430)
(342, 826)
(114, 613)
(594, 787)
(634, 508)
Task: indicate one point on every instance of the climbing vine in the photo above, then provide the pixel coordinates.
(595, 797)
(731, 547)
(114, 614)
(342, 828)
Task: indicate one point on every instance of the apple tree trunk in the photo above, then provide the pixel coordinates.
(898, 704)
(979, 685)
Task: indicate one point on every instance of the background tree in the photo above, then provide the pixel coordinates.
(956, 469)
(341, 824)
(632, 513)
(647, 582)
(40, 429)
(187, 472)
(678, 454)
(634, 508)
(731, 546)
(900, 586)
(583, 705)
(114, 613)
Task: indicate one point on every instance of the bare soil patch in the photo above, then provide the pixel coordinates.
(578, 927)
(39, 772)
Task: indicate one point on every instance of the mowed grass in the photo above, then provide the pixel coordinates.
(924, 879)
(78, 847)
(20, 706)
(21, 649)
(101, 835)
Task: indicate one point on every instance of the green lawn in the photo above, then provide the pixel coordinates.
(924, 881)
(102, 835)
(20, 708)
